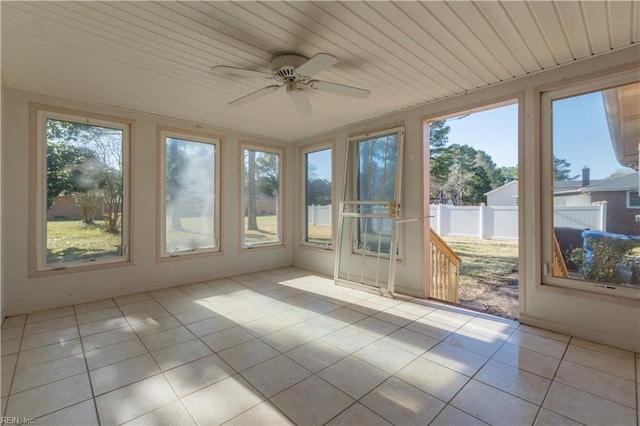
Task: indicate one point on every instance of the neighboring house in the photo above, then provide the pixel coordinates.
(65, 207)
(505, 195)
(569, 192)
(623, 202)
(620, 193)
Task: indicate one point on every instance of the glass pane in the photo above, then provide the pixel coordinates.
(261, 186)
(318, 197)
(595, 143)
(377, 161)
(84, 191)
(190, 195)
(377, 168)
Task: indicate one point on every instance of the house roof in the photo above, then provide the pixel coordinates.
(628, 182)
(570, 187)
(156, 57)
(502, 187)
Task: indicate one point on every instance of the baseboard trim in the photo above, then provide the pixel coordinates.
(583, 333)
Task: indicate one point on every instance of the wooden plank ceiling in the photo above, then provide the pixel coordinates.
(156, 56)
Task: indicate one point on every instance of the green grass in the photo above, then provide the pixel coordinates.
(320, 234)
(194, 234)
(488, 274)
(267, 230)
(71, 240)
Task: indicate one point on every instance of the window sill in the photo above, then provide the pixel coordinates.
(71, 269)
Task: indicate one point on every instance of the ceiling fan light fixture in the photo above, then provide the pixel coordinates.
(285, 66)
(294, 72)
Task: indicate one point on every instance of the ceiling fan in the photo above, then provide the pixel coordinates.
(294, 73)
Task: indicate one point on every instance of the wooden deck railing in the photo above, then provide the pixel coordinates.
(559, 266)
(445, 269)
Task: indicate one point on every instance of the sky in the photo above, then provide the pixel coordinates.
(494, 131)
(581, 134)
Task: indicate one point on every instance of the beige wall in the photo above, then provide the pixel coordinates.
(2, 270)
(599, 317)
(25, 294)
(604, 318)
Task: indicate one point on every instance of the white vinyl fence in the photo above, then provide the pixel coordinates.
(319, 215)
(501, 223)
(492, 222)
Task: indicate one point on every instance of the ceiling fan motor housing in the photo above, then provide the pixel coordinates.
(285, 66)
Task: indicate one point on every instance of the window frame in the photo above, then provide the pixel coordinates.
(269, 149)
(633, 206)
(353, 187)
(197, 137)
(39, 114)
(304, 151)
(546, 180)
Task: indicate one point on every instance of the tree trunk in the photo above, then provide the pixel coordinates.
(251, 192)
(174, 209)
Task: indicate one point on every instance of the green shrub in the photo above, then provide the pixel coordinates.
(606, 255)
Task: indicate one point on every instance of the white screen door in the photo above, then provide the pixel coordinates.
(367, 236)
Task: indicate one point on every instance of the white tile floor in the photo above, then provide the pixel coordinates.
(287, 346)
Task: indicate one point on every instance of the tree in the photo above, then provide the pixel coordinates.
(562, 170)
(261, 177)
(63, 169)
(492, 172)
(319, 192)
(439, 165)
(100, 168)
(467, 174)
(267, 173)
(457, 181)
(250, 182)
(111, 185)
(477, 186)
(88, 203)
(509, 173)
(438, 137)
(175, 165)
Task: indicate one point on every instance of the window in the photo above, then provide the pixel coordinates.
(189, 201)
(82, 190)
(376, 176)
(317, 197)
(590, 241)
(367, 244)
(633, 199)
(261, 196)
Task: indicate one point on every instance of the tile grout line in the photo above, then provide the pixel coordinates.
(583, 390)
(553, 380)
(155, 361)
(357, 401)
(58, 380)
(448, 403)
(13, 373)
(86, 365)
(237, 372)
(378, 310)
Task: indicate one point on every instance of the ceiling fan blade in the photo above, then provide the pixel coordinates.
(254, 95)
(317, 64)
(340, 89)
(224, 70)
(301, 101)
